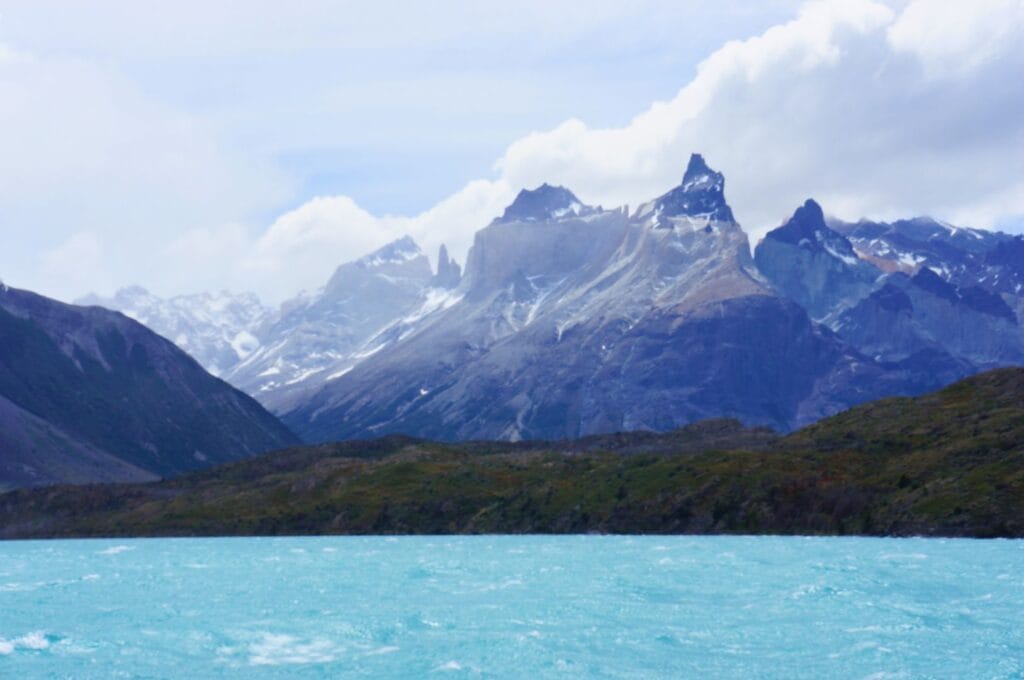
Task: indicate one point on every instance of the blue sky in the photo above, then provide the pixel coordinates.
(256, 145)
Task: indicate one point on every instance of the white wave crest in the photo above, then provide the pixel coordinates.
(33, 641)
(275, 650)
(115, 550)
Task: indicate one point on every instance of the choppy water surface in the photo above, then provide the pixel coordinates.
(513, 607)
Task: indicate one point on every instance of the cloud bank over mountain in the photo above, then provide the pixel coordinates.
(874, 110)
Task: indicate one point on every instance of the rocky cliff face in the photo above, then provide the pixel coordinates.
(449, 273)
(907, 315)
(90, 395)
(313, 337)
(813, 265)
(701, 194)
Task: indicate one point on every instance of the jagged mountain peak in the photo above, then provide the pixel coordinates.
(811, 213)
(807, 223)
(122, 296)
(398, 251)
(316, 336)
(808, 228)
(922, 234)
(701, 195)
(402, 257)
(546, 202)
(698, 174)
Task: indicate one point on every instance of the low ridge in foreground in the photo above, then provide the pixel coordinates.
(947, 463)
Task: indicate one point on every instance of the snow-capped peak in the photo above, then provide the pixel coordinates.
(396, 252)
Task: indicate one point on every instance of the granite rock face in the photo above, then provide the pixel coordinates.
(906, 315)
(965, 287)
(813, 265)
(449, 273)
(312, 337)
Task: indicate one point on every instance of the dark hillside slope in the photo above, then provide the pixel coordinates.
(84, 385)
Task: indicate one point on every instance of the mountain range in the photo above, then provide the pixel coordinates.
(572, 319)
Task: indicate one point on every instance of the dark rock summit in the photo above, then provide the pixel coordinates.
(546, 202)
(701, 195)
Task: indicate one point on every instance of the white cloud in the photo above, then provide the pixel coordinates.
(204, 244)
(85, 151)
(719, 112)
(840, 103)
(875, 110)
(8, 55)
(955, 37)
(314, 238)
(75, 262)
(303, 246)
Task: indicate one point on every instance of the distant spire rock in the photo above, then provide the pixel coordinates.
(449, 273)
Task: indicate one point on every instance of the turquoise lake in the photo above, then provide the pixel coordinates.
(535, 607)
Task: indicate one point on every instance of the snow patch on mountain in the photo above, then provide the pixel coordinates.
(366, 305)
(217, 329)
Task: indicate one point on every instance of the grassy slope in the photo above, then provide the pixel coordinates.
(949, 463)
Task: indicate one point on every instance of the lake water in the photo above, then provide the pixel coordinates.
(584, 606)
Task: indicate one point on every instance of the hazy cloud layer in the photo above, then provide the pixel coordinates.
(875, 110)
